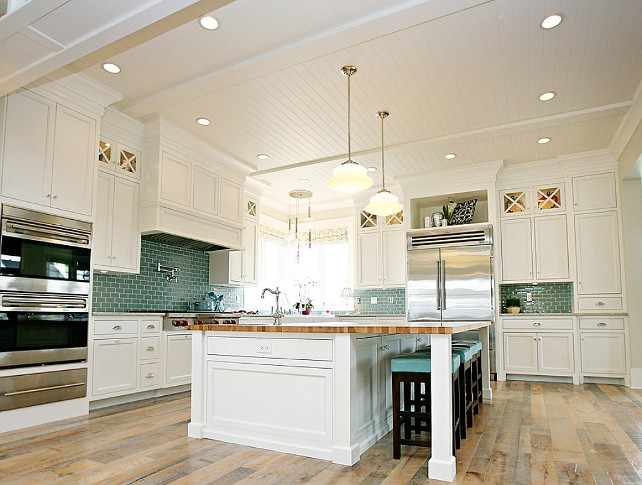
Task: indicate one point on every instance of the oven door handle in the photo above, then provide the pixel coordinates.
(38, 389)
(51, 234)
(17, 302)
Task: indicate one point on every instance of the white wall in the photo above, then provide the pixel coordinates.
(632, 230)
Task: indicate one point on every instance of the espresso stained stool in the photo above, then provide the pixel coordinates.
(413, 372)
(467, 396)
(476, 370)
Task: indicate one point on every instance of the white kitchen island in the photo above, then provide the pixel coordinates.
(320, 390)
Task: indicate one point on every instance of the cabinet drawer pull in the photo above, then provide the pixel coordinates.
(149, 375)
(150, 348)
(150, 326)
(599, 303)
(537, 324)
(117, 327)
(601, 324)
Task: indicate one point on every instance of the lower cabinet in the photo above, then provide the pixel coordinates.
(178, 359)
(114, 365)
(539, 353)
(603, 346)
(130, 354)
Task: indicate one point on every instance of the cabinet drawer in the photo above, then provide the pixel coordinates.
(115, 327)
(390, 320)
(148, 348)
(272, 348)
(150, 326)
(364, 320)
(596, 303)
(538, 323)
(149, 375)
(601, 323)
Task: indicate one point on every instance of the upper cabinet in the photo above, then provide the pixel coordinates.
(595, 191)
(534, 234)
(381, 250)
(48, 154)
(119, 158)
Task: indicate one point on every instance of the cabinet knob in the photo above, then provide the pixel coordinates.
(537, 324)
(599, 303)
(149, 375)
(150, 326)
(55, 196)
(419, 339)
(150, 348)
(601, 324)
(49, 196)
(117, 327)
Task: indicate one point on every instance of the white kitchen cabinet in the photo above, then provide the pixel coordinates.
(597, 245)
(236, 267)
(230, 200)
(594, 191)
(178, 359)
(118, 158)
(380, 251)
(517, 254)
(126, 355)
(539, 353)
(603, 353)
(535, 249)
(48, 154)
(176, 180)
(114, 368)
(116, 235)
(205, 190)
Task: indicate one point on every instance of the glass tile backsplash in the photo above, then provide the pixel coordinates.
(547, 297)
(383, 304)
(149, 290)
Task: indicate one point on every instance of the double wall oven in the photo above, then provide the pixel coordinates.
(44, 304)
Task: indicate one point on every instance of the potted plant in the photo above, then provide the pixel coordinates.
(513, 305)
(304, 308)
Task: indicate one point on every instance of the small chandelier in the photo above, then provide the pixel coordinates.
(304, 233)
(384, 202)
(349, 177)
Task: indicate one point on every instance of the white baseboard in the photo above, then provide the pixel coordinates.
(636, 377)
(139, 396)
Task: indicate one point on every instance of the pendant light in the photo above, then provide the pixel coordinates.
(384, 202)
(349, 177)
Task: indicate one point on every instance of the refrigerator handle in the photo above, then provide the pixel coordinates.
(442, 275)
(438, 271)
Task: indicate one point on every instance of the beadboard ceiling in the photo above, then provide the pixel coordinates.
(458, 76)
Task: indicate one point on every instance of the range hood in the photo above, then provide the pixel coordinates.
(183, 242)
(168, 224)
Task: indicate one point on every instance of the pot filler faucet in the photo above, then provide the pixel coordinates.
(277, 311)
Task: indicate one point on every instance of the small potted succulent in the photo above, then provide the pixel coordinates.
(513, 305)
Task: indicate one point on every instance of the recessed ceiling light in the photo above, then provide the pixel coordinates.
(203, 121)
(547, 96)
(263, 156)
(208, 22)
(304, 181)
(551, 21)
(111, 68)
(371, 169)
(450, 156)
(541, 141)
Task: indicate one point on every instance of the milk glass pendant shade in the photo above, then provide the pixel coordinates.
(349, 177)
(384, 202)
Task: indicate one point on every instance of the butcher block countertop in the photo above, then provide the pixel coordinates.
(348, 327)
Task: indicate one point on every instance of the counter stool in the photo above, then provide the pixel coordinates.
(413, 372)
(476, 370)
(467, 395)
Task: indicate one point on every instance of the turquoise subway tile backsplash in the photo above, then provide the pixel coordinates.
(149, 290)
(398, 304)
(547, 297)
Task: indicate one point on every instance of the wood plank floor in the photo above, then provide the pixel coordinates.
(532, 433)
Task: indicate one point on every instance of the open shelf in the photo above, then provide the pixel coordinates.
(425, 206)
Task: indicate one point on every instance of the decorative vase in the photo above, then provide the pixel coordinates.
(307, 310)
(513, 309)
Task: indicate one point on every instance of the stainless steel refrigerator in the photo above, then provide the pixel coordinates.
(450, 275)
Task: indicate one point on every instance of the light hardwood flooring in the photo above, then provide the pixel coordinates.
(532, 433)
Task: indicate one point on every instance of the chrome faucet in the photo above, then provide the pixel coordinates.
(278, 313)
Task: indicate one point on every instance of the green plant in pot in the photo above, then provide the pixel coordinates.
(513, 305)
(305, 308)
